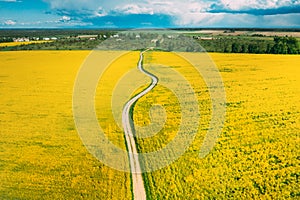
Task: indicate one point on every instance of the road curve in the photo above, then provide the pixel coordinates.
(139, 192)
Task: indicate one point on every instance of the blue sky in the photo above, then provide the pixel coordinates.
(149, 13)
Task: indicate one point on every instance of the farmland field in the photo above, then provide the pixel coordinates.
(41, 154)
(256, 156)
(11, 44)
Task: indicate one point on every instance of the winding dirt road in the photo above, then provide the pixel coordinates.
(139, 192)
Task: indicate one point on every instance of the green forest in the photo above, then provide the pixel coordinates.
(73, 40)
(275, 45)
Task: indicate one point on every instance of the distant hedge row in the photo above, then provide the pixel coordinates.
(257, 45)
(279, 45)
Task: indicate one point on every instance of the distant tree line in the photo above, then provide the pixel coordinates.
(285, 45)
(6, 39)
(279, 45)
(71, 40)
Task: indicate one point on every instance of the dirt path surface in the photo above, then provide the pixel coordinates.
(138, 187)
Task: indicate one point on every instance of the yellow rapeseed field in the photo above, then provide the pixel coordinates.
(256, 156)
(12, 44)
(41, 154)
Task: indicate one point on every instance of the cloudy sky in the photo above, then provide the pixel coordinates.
(148, 13)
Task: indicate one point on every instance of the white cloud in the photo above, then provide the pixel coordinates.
(80, 5)
(66, 18)
(242, 20)
(12, 1)
(182, 11)
(100, 12)
(286, 20)
(10, 22)
(49, 23)
(188, 12)
(132, 6)
(255, 4)
(167, 6)
(198, 19)
(134, 9)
